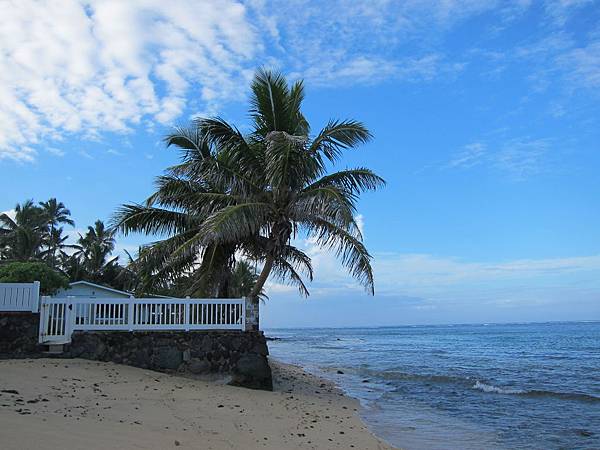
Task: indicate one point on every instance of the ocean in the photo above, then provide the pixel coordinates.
(493, 386)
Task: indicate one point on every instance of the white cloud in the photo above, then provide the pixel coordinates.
(473, 154)
(583, 65)
(92, 66)
(20, 154)
(519, 158)
(432, 278)
(353, 42)
(522, 158)
(85, 154)
(85, 67)
(424, 274)
(55, 151)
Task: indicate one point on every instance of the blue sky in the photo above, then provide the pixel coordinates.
(485, 115)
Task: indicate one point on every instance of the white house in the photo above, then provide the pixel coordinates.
(91, 290)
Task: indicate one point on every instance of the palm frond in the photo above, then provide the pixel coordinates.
(237, 222)
(190, 140)
(132, 218)
(338, 136)
(286, 273)
(355, 181)
(351, 251)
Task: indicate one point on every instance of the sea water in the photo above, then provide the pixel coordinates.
(496, 386)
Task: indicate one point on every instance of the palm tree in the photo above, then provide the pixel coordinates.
(253, 193)
(278, 183)
(55, 246)
(22, 239)
(93, 252)
(177, 209)
(56, 213)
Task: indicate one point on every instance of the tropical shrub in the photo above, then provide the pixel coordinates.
(28, 272)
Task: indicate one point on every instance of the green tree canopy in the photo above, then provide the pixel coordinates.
(28, 272)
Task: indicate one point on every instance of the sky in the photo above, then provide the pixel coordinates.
(485, 116)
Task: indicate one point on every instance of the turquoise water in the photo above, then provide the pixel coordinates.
(509, 386)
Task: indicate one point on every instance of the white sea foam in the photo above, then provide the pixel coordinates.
(491, 388)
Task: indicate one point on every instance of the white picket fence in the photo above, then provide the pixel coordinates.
(61, 316)
(19, 296)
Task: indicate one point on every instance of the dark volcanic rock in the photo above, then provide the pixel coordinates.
(198, 366)
(169, 358)
(253, 371)
(19, 333)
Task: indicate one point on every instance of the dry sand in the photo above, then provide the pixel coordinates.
(77, 404)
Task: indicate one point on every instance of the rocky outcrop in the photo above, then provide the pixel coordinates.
(19, 335)
(242, 356)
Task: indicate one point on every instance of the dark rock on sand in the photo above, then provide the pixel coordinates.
(252, 370)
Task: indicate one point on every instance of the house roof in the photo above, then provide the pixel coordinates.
(99, 286)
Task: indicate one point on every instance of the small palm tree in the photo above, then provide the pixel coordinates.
(243, 280)
(22, 239)
(56, 213)
(55, 247)
(93, 251)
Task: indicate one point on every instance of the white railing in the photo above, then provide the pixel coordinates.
(62, 316)
(20, 296)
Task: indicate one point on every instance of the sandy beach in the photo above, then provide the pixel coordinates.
(77, 404)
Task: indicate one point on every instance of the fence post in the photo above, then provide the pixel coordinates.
(244, 302)
(186, 313)
(43, 319)
(130, 312)
(35, 301)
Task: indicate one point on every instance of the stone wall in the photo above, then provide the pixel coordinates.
(241, 356)
(19, 335)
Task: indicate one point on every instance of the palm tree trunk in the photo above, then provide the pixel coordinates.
(262, 278)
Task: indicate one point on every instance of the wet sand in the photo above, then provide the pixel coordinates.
(77, 404)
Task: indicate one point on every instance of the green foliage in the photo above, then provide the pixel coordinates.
(249, 195)
(33, 234)
(28, 272)
(243, 279)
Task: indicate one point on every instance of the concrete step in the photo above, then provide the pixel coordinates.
(55, 349)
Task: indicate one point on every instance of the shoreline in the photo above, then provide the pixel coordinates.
(334, 388)
(73, 404)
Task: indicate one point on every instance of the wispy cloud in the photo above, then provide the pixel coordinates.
(518, 158)
(55, 151)
(438, 278)
(363, 42)
(522, 158)
(85, 154)
(583, 65)
(471, 155)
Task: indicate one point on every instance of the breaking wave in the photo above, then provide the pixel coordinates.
(536, 393)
